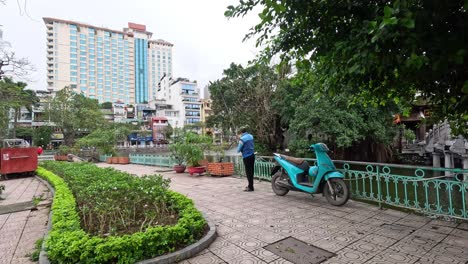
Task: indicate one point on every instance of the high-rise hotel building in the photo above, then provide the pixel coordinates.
(106, 64)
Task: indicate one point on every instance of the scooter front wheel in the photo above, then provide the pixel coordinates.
(278, 190)
(340, 192)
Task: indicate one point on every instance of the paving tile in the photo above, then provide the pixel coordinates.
(328, 245)
(393, 257)
(246, 259)
(250, 244)
(219, 243)
(431, 258)
(352, 256)
(281, 261)
(431, 226)
(456, 252)
(229, 252)
(380, 240)
(459, 233)
(367, 247)
(456, 241)
(207, 258)
(265, 255)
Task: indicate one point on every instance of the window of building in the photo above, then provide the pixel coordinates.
(73, 79)
(82, 41)
(73, 50)
(73, 61)
(74, 73)
(82, 81)
(72, 37)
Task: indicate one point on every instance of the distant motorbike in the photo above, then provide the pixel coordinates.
(295, 174)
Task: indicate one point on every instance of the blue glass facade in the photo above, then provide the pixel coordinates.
(141, 70)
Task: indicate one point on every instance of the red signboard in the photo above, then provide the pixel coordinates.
(18, 160)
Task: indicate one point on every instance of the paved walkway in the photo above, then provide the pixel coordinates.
(356, 232)
(19, 231)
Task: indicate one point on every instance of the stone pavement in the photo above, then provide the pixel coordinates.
(356, 232)
(19, 231)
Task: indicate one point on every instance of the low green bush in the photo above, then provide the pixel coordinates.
(67, 242)
(111, 202)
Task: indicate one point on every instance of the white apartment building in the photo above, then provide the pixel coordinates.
(106, 64)
(179, 101)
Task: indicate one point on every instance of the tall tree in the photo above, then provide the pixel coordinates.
(377, 51)
(74, 113)
(243, 97)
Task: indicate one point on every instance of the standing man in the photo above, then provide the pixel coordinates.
(246, 146)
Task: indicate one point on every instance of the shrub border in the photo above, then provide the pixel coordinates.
(184, 253)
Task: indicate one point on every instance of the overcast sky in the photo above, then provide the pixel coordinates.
(205, 42)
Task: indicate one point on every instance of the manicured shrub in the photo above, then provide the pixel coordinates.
(67, 242)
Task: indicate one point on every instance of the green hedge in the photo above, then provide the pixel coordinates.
(67, 242)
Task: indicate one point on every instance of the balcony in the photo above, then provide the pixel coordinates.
(192, 108)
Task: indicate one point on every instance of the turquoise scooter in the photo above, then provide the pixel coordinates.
(295, 174)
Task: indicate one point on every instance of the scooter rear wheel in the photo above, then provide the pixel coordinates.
(278, 190)
(340, 189)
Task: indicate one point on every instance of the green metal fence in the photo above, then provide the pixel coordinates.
(435, 191)
(151, 159)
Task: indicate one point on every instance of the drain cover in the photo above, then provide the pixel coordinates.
(299, 252)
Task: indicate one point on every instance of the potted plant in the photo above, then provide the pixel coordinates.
(62, 152)
(198, 144)
(220, 168)
(178, 153)
(194, 155)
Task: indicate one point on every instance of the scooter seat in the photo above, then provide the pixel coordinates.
(297, 161)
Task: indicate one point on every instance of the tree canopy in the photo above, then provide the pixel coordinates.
(14, 96)
(377, 51)
(74, 113)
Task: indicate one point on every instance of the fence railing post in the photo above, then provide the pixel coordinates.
(379, 187)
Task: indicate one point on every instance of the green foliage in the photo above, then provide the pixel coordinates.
(42, 135)
(409, 135)
(13, 96)
(378, 52)
(24, 132)
(243, 97)
(105, 139)
(68, 243)
(37, 250)
(64, 150)
(73, 113)
(106, 105)
(189, 147)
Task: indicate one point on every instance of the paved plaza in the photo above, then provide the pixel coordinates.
(249, 221)
(357, 232)
(20, 230)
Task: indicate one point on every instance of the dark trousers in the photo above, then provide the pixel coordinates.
(249, 163)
